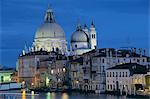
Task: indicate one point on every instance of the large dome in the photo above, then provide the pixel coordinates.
(79, 36)
(50, 30)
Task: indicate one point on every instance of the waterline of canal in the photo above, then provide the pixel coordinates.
(48, 95)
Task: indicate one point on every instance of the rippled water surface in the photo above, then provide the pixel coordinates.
(32, 95)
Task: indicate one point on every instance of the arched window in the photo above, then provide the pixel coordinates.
(103, 61)
(57, 49)
(76, 46)
(94, 35)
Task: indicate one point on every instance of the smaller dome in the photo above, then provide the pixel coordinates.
(79, 36)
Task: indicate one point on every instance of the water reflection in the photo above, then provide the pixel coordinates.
(32, 95)
(53, 95)
(64, 96)
(48, 95)
(24, 94)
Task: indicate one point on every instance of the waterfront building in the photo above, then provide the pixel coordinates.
(95, 63)
(126, 78)
(27, 65)
(58, 72)
(42, 74)
(76, 73)
(6, 75)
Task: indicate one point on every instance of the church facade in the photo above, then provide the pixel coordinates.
(83, 39)
(50, 36)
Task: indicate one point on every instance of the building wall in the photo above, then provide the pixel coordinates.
(50, 44)
(118, 80)
(27, 67)
(5, 76)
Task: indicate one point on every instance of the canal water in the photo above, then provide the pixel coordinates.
(24, 95)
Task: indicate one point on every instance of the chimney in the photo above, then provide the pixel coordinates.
(144, 52)
(110, 53)
(107, 52)
(134, 50)
(140, 52)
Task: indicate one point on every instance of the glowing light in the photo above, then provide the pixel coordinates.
(24, 94)
(52, 71)
(64, 70)
(23, 82)
(53, 95)
(48, 95)
(47, 81)
(65, 96)
(32, 84)
(77, 82)
(32, 92)
(32, 95)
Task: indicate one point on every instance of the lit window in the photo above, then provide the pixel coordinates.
(52, 71)
(64, 70)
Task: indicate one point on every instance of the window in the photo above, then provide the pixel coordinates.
(123, 74)
(57, 49)
(108, 86)
(130, 60)
(2, 79)
(76, 46)
(116, 74)
(114, 87)
(103, 69)
(103, 61)
(92, 36)
(110, 74)
(113, 74)
(126, 74)
(120, 74)
(87, 63)
(107, 74)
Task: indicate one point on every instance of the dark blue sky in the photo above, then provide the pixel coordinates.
(117, 22)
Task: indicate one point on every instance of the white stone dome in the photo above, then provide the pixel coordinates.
(79, 36)
(50, 30)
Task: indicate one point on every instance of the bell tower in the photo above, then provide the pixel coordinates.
(93, 36)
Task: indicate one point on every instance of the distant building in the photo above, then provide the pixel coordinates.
(58, 70)
(6, 75)
(83, 40)
(94, 63)
(126, 78)
(76, 73)
(27, 65)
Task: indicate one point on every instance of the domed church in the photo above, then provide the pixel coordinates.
(83, 39)
(50, 36)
